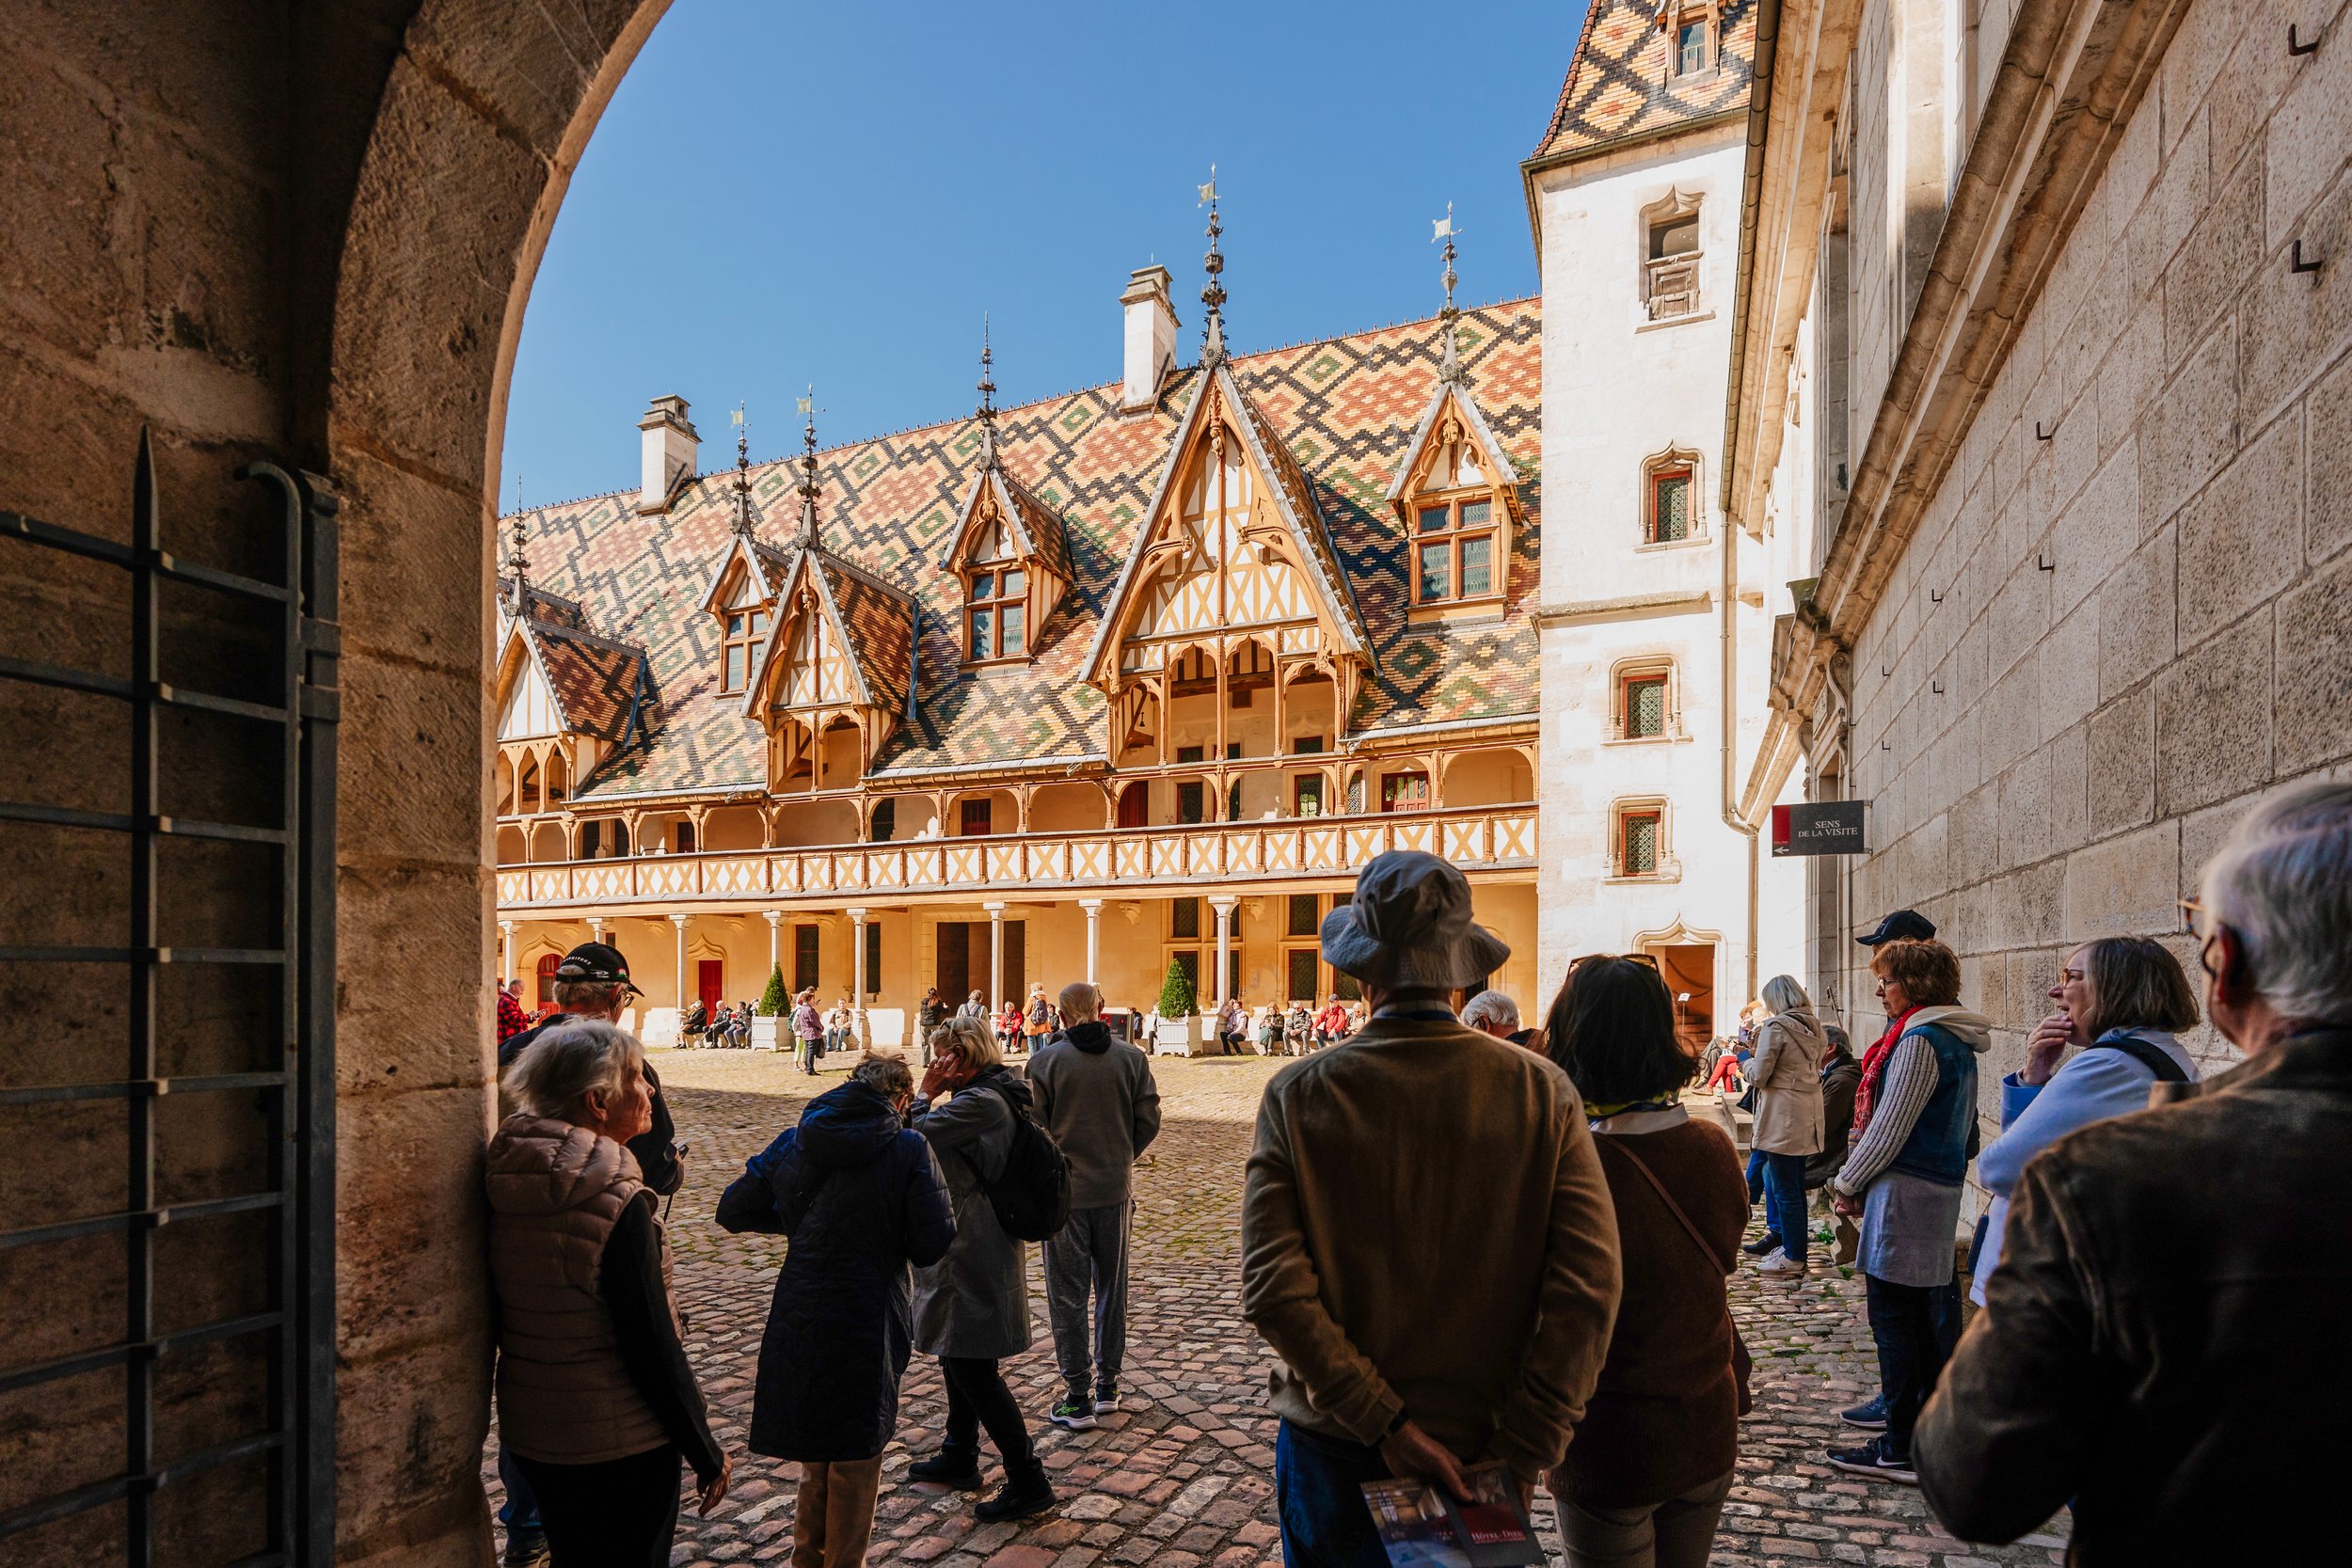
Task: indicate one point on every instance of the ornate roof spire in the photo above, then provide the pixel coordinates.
(742, 476)
(1213, 297)
(1450, 365)
(807, 539)
(515, 564)
(988, 401)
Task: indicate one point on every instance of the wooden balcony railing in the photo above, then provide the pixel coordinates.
(1474, 838)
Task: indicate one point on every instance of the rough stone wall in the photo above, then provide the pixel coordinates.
(303, 234)
(2102, 645)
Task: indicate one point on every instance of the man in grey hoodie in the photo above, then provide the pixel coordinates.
(1095, 1095)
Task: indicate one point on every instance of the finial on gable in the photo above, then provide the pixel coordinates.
(1213, 297)
(1450, 364)
(988, 401)
(743, 475)
(515, 564)
(807, 539)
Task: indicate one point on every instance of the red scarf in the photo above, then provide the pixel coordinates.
(1874, 1072)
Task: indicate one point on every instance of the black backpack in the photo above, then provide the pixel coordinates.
(1031, 1195)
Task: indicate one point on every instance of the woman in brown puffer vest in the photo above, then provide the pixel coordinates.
(595, 1397)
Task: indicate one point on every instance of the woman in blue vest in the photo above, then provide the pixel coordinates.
(1913, 1110)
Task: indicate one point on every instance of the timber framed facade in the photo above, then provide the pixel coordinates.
(1070, 690)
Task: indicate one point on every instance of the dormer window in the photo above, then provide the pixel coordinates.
(1454, 500)
(742, 632)
(1690, 40)
(996, 604)
(1454, 551)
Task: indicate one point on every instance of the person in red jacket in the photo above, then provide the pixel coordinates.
(512, 1020)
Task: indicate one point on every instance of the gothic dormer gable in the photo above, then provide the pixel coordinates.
(1455, 496)
(1232, 537)
(560, 686)
(1008, 553)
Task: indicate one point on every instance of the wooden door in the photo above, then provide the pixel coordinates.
(710, 984)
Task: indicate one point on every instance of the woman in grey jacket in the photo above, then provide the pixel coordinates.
(972, 1306)
(1786, 1073)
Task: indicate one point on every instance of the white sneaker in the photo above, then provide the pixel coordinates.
(1778, 1261)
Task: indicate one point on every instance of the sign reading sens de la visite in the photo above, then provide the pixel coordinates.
(1821, 828)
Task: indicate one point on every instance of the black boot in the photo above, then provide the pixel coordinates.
(1762, 1244)
(956, 1469)
(1025, 1492)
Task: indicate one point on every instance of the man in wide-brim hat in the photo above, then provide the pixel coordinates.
(1427, 1238)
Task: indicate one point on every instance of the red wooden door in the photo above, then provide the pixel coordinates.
(709, 977)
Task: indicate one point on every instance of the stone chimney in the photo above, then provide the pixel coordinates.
(670, 448)
(1150, 335)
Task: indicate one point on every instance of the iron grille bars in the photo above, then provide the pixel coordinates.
(292, 1083)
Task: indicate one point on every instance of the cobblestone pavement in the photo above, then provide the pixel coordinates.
(1186, 1475)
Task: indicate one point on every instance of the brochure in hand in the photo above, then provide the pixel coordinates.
(1422, 1527)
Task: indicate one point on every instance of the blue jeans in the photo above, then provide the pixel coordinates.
(1756, 1179)
(519, 1513)
(1317, 1488)
(1784, 1201)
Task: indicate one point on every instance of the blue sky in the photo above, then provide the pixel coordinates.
(788, 193)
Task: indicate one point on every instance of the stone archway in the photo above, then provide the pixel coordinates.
(482, 118)
(305, 235)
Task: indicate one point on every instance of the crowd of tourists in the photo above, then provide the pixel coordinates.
(2144, 1274)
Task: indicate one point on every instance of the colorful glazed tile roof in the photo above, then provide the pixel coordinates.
(597, 684)
(1336, 417)
(1619, 84)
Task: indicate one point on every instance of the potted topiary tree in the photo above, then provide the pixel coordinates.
(766, 1018)
(1180, 1033)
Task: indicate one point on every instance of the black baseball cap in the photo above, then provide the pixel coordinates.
(1903, 925)
(597, 963)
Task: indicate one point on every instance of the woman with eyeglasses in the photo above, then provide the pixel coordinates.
(2122, 1003)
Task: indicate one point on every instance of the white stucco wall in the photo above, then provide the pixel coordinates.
(1618, 391)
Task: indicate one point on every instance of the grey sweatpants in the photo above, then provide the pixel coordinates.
(1091, 1254)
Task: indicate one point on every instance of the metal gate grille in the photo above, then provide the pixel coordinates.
(167, 1382)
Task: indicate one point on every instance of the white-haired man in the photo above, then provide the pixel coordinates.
(1491, 1012)
(2157, 1346)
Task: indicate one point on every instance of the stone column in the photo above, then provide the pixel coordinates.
(678, 922)
(1093, 908)
(1224, 907)
(775, 941)
(857, 980)
(995, 958)
(506, 950)
(596, 927)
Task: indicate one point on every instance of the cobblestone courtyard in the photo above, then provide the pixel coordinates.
(1185, 1476)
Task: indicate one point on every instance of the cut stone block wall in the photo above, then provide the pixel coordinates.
(2101, 646)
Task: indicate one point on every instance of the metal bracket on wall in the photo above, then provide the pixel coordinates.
(2042, 435)
(2296, 46)
(2296, 263)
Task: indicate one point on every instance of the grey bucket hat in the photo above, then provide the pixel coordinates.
(1409, 924)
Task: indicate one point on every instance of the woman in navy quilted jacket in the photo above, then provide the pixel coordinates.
(861, 1199)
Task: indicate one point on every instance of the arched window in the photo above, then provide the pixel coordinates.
(547, 964)
(1640, 850)
(1672, 511)
(1644, 702)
